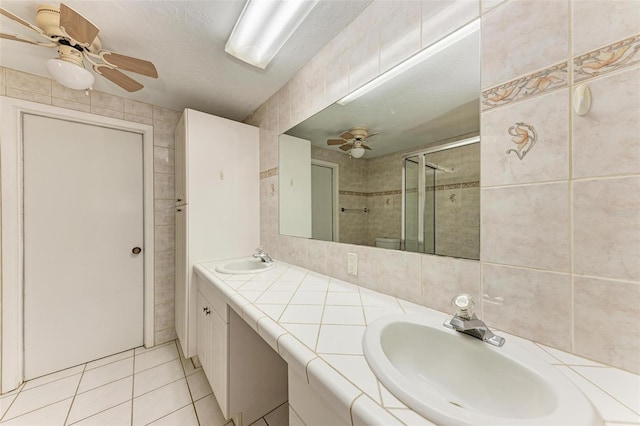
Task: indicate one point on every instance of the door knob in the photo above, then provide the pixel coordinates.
(136, 250)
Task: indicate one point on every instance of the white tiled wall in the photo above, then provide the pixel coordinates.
(17, 84)
(560, 227)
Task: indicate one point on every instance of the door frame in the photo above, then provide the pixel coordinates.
(11, 226)
(336, 194)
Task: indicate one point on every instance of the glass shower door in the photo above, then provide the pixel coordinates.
(411, 208)
(429, 218)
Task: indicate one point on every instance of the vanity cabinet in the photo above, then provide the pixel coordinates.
(248, 378)
(217, 187)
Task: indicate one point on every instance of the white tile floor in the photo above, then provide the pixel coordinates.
(137, 387)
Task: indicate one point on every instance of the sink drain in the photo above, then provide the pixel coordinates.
(456, 404)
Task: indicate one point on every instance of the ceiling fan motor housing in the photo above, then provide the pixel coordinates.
(359, 133)
(48, 20)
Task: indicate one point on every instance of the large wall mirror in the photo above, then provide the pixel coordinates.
(395, 164)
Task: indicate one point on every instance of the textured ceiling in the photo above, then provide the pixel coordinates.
(185, 40)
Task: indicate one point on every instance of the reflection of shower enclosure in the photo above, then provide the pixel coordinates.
(419, 235)
(441, 197)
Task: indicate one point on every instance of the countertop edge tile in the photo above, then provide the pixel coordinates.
(332, 387)
(296, 354)
(339, 392)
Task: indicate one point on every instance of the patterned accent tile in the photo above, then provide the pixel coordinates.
(534, 84)
(474, 184)
(269, 173)
(607, 59)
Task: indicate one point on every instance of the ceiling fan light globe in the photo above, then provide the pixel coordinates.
(357, 152)
(70, 75)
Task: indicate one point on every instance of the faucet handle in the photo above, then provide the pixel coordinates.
(463, 304)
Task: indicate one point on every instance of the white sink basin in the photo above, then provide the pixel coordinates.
(245, 266)
(452, 378)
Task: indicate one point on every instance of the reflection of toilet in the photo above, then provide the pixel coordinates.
(390, 243)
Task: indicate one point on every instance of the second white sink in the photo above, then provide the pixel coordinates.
(245, 266)
(453, 378)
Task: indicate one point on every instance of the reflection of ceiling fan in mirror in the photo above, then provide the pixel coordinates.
(353, 141)
(77, 39)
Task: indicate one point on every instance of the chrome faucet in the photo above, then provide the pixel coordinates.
(262, 255)
(465, 321)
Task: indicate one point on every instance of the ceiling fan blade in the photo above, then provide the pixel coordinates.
(346, 147)
(26, 40)
(335, 141)
(19, 20)
(372, 134)
(77, 26)
(115, 76)
(128, 63)
(365, 146)
(347, 135)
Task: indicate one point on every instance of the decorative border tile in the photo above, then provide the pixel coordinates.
(268, 173)
(546, 80)
(474, 184)
(353, 193)
(463, 185)
(383, 193)
(607, 59)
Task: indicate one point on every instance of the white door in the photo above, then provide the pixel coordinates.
(322, 207)
(294, 176)
(83, 216)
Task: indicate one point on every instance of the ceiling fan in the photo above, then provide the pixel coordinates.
(77, 39)
(353, 141)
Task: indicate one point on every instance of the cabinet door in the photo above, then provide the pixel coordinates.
(212, 334)
(181, 162)
(204, 335)
(219, 361)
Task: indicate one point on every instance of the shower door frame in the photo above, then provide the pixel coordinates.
(422, 163)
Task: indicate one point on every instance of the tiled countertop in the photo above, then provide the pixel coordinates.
(316, 324)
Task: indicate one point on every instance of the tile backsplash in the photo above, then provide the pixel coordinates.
(560, 234)
(33, 88)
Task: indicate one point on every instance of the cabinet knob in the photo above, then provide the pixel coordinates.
(206, 310)
(179, 199)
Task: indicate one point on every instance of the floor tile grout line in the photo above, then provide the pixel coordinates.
(174, 411)
(99, 412)
(12, 402)
(3, 419)
(74, 395)
(158, 365)
(162, 363)
(111, 362)
(35, 409)
(193, 402)
(104, 384)
(160, 387)
(153, 348)
(52, 381)
(133, 387)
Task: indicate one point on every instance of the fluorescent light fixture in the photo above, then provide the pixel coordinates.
(263, 28)
(357, 152)
(413, 61)
(69, 74)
